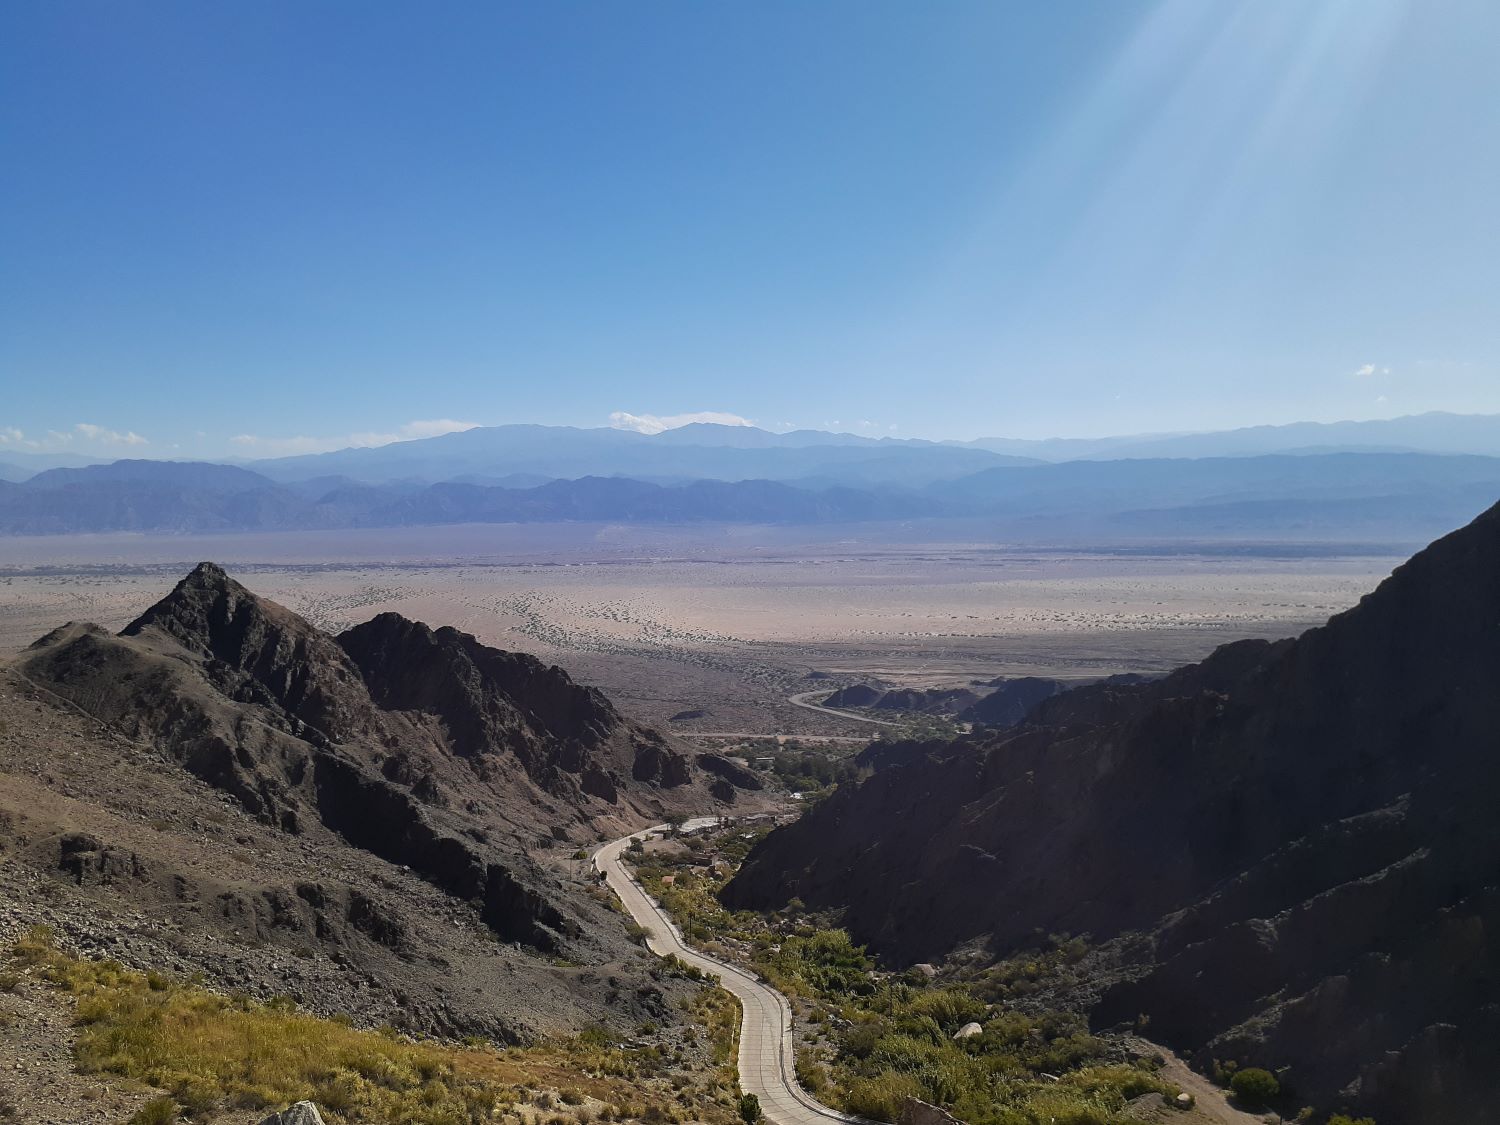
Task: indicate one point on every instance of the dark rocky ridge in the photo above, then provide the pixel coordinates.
(423, 748)
(1287, 852)
(1011, 700)
(927, 701)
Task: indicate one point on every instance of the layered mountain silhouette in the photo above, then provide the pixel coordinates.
(1374, 497)
(1286, 855)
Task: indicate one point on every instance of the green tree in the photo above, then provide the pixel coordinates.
(750, 1109)
(1254, 1086)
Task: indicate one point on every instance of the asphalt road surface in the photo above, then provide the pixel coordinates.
(801, 700)
(767, 1067)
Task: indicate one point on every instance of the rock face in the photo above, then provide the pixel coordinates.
(423, 747)
(1011, 701)
(303, 1113)
(929, 701)
(1288, 852)
(856, 695)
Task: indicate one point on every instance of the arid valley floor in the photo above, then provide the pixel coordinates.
(730, 622)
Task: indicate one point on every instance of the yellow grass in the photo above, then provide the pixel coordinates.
(208, 1050)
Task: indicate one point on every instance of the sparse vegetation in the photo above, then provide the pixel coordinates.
(886, 1037)
(158, 1111)
(210, 1051)
(1254, 1086)
(809, 771)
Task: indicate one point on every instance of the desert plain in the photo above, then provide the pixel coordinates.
(729, 622)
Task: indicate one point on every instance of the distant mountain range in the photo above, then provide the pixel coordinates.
(532, 454)
(1384, 497)
(709, 451)
(697, 452)
(1436, 432)
(1311, 481)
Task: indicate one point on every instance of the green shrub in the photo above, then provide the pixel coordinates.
(880, 1097)
(1254, 1086)
(158, 1111)
(638, 933)
(1345, 1119)
(750, 1109)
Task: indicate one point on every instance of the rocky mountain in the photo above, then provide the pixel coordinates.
(1285, 855)
(429, 775)
(927, 701)
(1011, 700)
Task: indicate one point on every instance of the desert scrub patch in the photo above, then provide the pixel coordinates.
(885, 1038)
(158, 1111)
(209, 1051)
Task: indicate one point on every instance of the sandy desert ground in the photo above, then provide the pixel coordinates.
(724, 621)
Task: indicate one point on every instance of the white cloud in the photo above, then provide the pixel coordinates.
(1364, 371)
(302, 443)
(63, 439)
(656, 423)
(106, 436)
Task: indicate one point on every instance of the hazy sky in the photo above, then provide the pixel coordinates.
(300, 224)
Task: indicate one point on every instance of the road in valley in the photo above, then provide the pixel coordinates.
(767, 1060)
(801, 700)
(781, 739)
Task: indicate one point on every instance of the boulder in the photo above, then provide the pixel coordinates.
(303, 1113)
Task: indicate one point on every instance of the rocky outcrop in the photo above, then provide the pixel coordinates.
(411, 743)
(928, 701)
(488, 701)
(1286, 853)
(1010, 701)
(914, 1111)
(303, 1113)
(732, 772)
(855, 695)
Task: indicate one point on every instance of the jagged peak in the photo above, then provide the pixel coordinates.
(408, 665)
(206, 574)
(392, 626)
(212, 612)
(207, 578)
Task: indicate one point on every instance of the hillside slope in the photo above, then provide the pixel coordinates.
(392, 799)
(1287, 853)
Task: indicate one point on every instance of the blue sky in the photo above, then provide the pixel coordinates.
(306, 224)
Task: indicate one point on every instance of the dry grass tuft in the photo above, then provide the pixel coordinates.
(209, 1051)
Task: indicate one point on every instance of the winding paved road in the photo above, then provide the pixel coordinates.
(802, 697)
(767, 1062)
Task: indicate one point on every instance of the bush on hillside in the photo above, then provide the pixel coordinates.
(1254, 1086)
